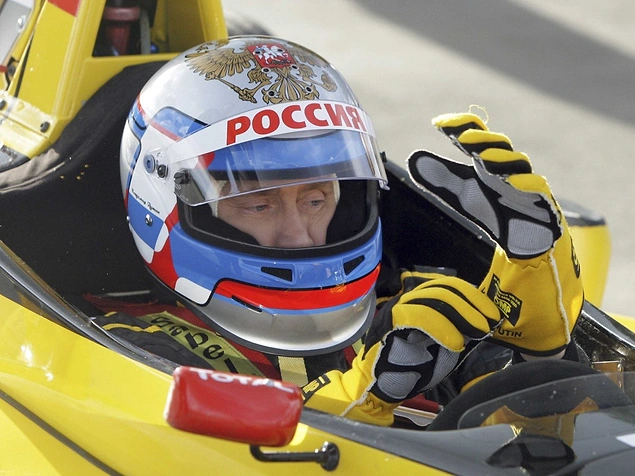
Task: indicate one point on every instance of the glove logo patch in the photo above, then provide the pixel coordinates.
(508, 303)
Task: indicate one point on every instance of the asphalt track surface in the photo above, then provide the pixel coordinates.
(557, 77)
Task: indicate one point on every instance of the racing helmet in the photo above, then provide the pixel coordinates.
(238, 116)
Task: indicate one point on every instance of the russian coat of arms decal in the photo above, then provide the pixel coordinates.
(282, 73)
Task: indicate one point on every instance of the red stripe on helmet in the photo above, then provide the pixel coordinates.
(303, 299)
(173, 218)
(163, 265)
(157, 125)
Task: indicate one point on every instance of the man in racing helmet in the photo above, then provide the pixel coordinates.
(250, 176)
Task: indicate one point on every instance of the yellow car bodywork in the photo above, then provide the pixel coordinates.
(100, 412)
(593, 247)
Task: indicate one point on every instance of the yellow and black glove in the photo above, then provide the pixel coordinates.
(534, 277)
(416, 340)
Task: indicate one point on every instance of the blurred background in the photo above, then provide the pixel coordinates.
(557, 77)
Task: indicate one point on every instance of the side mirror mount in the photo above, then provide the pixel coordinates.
(254, 410)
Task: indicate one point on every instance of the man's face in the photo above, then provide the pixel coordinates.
(295, 216)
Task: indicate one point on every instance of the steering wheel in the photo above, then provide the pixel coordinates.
(605, 393)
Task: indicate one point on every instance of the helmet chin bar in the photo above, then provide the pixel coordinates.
(288, 335)
(294, 334)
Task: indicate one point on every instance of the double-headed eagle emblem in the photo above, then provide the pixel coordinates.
(283, 73)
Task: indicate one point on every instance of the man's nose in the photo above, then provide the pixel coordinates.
(293, 230)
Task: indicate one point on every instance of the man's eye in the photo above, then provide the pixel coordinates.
(316, 203)
(257, 208)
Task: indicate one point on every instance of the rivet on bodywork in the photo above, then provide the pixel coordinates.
(149, 220)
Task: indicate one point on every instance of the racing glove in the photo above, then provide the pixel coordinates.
(534, 276)
(416, 340)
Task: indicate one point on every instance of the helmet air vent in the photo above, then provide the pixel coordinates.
(282, 273)
(349, 266)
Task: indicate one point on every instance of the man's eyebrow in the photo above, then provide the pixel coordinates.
(303, 186)
(317, 185)
(255, 193)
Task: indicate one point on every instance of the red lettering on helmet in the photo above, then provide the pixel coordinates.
(273, 122)
(287, 117)
(357, 121)
(235, 127)
(282, 118)
(309, 111)
(337, 114)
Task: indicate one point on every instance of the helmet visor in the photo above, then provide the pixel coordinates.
(293, 158)
(265, 163)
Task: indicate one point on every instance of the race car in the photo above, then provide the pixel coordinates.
(74, 399)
